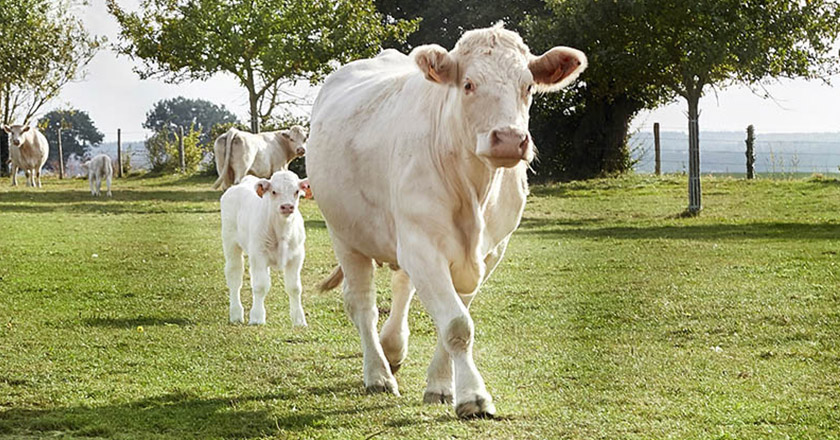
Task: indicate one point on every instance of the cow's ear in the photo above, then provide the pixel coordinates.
(285, 134)
(557, 68)
(6, 128)
(262, 187)
(436, 63)
(25, 129)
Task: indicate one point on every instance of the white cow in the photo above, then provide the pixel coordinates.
(239, 153)
(97, 167)
(260, 217)
(420, 162)
(28, 150)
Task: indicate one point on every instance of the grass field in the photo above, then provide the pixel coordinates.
(611, 317)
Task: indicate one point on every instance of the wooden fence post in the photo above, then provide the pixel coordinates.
(119, 153)
(750, 152)
(657, 149)
(181, 150)
(60, 156)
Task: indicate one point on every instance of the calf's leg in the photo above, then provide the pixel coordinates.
(234, 269)
(260, 285)
(293, 286)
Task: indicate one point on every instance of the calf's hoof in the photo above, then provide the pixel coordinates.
(477, 408)
(432, 398)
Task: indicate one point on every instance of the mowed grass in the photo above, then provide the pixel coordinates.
(611, 317)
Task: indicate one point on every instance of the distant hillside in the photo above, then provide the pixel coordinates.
(724, 152)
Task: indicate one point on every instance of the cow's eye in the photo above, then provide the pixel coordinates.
(469, 86)
(274, 193)
(530, 88)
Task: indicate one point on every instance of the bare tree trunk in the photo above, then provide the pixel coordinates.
(255, 114)
(4, 140)
(694, 193)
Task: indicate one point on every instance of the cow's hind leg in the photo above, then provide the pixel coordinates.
(90, 183)
(360, 305)
(234, 270)
(38, 176)
(394, 334)
(108, 182)
(28, 174)
(291, 281)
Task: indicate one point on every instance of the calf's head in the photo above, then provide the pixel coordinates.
(295, 137)
(493, 77)
(16, 133)
(282, 191)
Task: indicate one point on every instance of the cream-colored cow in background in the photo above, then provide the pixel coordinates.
(239, 153)
(420, 162)
(28, 150)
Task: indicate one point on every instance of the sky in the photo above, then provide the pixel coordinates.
(116, 97)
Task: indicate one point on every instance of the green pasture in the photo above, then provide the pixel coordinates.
(611, 317)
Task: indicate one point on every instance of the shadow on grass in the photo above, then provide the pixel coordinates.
(146, 321)
(771, 230)
(123, 201)
(180, 415)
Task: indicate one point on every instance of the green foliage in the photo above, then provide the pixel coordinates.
(443, 21)
(162, 150)
(78, 133)
(609, 318)
(185, 112)
(265, 44)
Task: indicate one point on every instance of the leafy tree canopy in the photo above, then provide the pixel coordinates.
(78, 133)
(185, 112)
(263, 43)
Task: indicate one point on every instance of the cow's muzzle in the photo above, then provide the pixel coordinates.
(508, 146)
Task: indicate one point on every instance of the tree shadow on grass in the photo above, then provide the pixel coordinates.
(145, 321)
(123, 201)
(182, 415)
(765, 231)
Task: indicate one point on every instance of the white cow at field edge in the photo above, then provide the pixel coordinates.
(420, 162)
(260, 218)
(239, 153)
(28, 150)
(97, 167)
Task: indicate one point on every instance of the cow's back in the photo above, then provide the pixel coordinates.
(361, 116)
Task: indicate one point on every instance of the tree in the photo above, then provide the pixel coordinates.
(44, 46)
(78, 133)
(185, 112)
(265, 44)
(444, 21)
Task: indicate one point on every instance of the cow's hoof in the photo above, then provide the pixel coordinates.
(389, 387)
(432, 398)
(478, 408)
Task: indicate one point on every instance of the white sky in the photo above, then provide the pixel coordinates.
(115, 97)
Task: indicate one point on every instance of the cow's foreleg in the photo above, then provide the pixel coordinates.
(28, 174)
(234, 269)
(360, 304)
(260, 284)
(15, 170)
(429, 271)
(37, 176)
(394, 334)
(291, 281)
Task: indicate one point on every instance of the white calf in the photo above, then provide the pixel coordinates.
(260, 218)
(96, 168)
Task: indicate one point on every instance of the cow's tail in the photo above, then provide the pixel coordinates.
(224, 173)
(332, 281)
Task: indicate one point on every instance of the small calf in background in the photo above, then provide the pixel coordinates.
(260, 217)
(99, 166)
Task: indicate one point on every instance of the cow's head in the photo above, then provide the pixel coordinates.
(295, 136)
(494, 77)
(282, 192)
(15, 133)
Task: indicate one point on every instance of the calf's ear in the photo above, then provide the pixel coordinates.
(436, 63)
(557, 68)
(262, 187)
